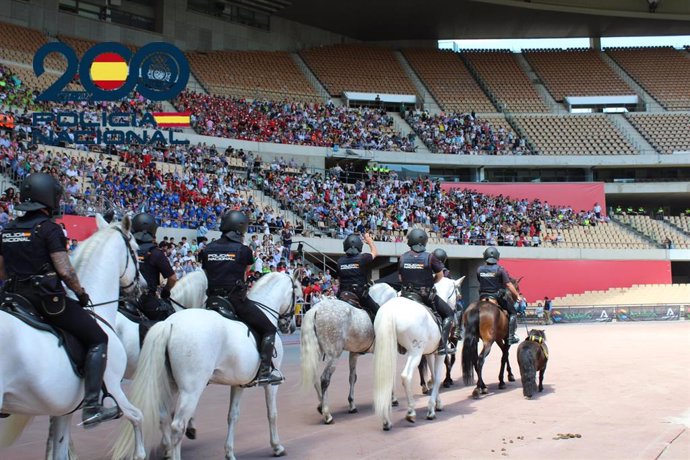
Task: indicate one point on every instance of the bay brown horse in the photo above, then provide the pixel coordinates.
(485, 320)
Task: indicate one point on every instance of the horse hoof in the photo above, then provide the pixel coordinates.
(318, 408)
(354, 410)
(387, 426)
(502, 386)
(425, 391)
(485, 391)
(511, 378)
(279, 451)
(395, 403)
(528, 396)
(475, 394)
(431, 416)
(410, 418)
(190, 432)
(328, 420)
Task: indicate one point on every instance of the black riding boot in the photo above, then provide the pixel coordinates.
(512, 326)
(445, 348)
(268, 375)
(93, 411)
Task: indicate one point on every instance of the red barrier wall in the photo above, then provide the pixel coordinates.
(79, 227)
(579, 195)
(555, 278)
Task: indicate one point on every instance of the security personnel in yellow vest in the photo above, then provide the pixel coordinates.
(419, 271)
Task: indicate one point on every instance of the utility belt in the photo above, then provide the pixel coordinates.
(425, 292)
(227, 291)
(356, 288)
(45, 288)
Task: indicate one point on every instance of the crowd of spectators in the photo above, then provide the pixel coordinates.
(298, 123)
(464, 133)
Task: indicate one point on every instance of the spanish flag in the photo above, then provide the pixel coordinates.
(109, 71)
(173, 119)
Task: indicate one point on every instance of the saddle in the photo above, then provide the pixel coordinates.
(494, 300)
(20, 307)
(350, 298)
(416, 297)
(224, 307)
(130, 310)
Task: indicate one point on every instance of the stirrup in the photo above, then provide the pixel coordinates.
(273, 378)
(513, 340)
(102, 415)
(447, 350)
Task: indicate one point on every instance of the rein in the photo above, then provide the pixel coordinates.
(274, 314)
(178, 303)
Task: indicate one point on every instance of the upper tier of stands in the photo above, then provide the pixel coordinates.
(448, 80)
(574, 135)
(667, 132)
(81, 45)
(506, 80)
(576, 72)
(638, 294)
(662, 72)
(657, 230)
(256, 74)
(20, 43)
(358, 68)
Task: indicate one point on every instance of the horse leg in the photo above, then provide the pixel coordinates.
(130, 412)
(166, 418)
(448, 361)
(413, 359)
(511, 377)
(503, 345)
(59, 445)
(272, 411)
(186, 405)
(233, 416)
(541, 378)
(481, 386)
(422, 371)
(325, 382)
(353, 380)
(190, 432)
(434, 397)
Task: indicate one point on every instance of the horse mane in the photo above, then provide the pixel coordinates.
(266, 279)
(92, 244)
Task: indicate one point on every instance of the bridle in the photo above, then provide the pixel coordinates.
(284, 318)
(132, 256)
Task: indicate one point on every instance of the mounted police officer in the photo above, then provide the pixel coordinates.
(153, 264)
(441, 255)
(226, 262)
(493, 281)
(34, 260)
(354, 273)
(419, 271)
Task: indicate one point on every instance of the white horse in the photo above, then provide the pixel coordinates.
(328, 329)
(410, 324)
(195, 347)
(105, 263)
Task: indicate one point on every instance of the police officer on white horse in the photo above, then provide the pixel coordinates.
(354, 272)
(493, 282)
(153, 264)
(419, 271)
(34, 261)
(226, 262)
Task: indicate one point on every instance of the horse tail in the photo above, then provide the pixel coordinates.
(385, 353)
(309, 350)
(469, 345)
(151, 390)
(528, 372)
(12, 427)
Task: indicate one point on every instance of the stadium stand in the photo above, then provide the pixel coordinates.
(80, 45)
(253, 74)
(506, 80)
(666, 132)
(448, 80)
(662, 72)
(573, 135)
(576, 72)
(658, 231)
(358, 68)
(682, 222)
(644, 294)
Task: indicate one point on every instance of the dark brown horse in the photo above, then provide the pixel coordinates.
(485, 320)
(533, 354)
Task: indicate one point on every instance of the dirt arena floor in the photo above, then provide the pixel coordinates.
(621, 389)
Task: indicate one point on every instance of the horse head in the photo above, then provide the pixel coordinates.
(449, 290)
(276, 294)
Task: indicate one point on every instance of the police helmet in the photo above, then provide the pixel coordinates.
(491, 255)
(144, 227)
(441, 255)
(39, 191)
(234, 225)
(417, 239)
(352, 245)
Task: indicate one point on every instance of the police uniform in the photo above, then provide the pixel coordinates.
(492, 281)
(417, 271)
(354, 275)
(225, 263)
(153, 264)
(27, 243)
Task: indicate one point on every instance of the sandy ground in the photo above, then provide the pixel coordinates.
(622, 387)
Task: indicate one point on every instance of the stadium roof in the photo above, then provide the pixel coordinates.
(390, 20)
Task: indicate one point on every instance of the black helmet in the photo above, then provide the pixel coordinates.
(234, 225)
(491, 255)
(417, 239)
(441, 255)
(39, 191)
(144, 227)
(352, 245)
